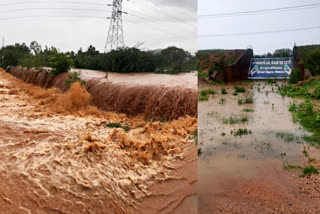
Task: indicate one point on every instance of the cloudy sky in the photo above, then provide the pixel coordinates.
(71, 24)
(261, 43)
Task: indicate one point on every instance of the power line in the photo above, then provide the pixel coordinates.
(55, 8)
(261, 32)
(242, 13)
(170, 26)
(41, 2)
(50, 16)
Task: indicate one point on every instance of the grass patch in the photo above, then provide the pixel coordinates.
(240, 102)
(241, 132)
(309, 170)
(117, 126)
(224, 91)
(204, 94)
(222, 101)
(306, 171)
(249, 100)
(288, 137)
(248, 110)
(234, 120)
(309, 118)
(239, 89)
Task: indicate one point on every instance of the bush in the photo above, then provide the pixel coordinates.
(239, 89)
(295, 76)
(312, 61)
(316, 93)
(74, 77)
(59, 62)
(224, 91)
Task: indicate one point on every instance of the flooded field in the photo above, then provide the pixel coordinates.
(245, 141)
(60, 154)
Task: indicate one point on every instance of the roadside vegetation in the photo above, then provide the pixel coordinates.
(171, 60)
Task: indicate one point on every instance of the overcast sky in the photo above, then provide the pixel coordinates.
(157, 23)
(261, 43)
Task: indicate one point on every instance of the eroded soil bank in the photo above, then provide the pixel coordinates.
(155, 96)
(57, 156)
(245, 146)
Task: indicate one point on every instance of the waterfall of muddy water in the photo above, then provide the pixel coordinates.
(245, 174)
(56, 156)
(155, 96)
(184, 80)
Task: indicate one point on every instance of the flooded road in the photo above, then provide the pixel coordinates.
(244, 147)
(184, 80)
(58, 156)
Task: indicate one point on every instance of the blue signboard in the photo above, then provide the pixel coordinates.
(273, 68)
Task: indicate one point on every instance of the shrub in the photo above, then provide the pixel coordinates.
(74, 77)
(59, 62)
(295, 76)
(224, 91)
(239, 89)
(316, 93)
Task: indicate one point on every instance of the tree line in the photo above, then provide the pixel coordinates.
(171, 60)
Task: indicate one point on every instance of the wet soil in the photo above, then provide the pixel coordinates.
(56, 156)
(246, 174)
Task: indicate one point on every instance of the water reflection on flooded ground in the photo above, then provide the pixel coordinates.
(245, 173)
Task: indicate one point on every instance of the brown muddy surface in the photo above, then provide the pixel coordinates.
(56, 156)
(185, 80)
(245, 174)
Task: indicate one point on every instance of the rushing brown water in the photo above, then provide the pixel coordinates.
(155, 96)
(57, 156)
(245, 174)
(184, 80)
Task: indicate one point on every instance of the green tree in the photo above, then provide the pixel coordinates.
(10, 55)
(312, 61)
(59, 62)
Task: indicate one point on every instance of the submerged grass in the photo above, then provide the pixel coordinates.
(234, 120)
(204, 94)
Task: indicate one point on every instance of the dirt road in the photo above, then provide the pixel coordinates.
(57, 156)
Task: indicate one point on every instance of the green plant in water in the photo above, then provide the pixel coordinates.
(224, 91)
(241, 132)
(222, 101)
(239, 89)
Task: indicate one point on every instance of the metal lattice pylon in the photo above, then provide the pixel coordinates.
(115, 38)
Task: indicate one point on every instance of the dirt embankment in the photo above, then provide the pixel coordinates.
(58, 156)
(153, 102)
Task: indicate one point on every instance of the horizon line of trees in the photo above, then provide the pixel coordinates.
(171, 60)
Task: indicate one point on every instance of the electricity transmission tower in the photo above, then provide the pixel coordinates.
(115, 38)
(2, 46)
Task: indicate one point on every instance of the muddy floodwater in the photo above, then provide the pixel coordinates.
(185, 80)
(57, 155)
(245, 173)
